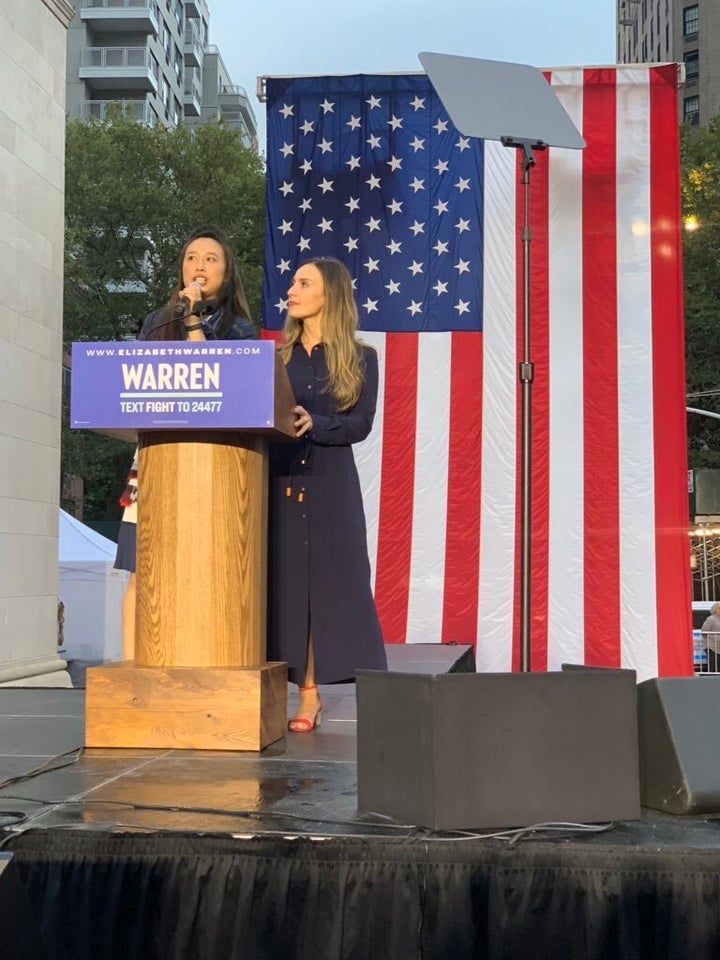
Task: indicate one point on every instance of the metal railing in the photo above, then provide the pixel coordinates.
(233, 90)
(119, 58)
(122, 4)
(705, 655)
(192, 35)
(139, 110)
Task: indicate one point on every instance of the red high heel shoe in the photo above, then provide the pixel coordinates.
(306, 724)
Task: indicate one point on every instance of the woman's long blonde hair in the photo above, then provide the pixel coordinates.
(339, 325)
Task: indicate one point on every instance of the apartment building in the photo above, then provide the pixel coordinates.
(684, 31)
(153, 57)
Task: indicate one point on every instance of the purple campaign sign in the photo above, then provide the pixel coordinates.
(162, 385)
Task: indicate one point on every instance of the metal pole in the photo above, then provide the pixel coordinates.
(526, 375)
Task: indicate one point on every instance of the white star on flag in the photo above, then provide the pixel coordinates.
(379, 179)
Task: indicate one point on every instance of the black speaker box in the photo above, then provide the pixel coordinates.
(679, 735)
(459, 751)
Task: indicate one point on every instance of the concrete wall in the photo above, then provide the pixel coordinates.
(32, 141)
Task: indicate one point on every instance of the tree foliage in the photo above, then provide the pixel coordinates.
(701, 202)
(132, 195)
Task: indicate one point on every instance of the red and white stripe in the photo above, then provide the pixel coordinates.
(440, 471)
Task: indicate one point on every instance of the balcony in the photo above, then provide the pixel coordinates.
(126, 16)
(139, 110)
(193, 48)
(233, 102)
(192, 92)
(119, 68)
(196, 10)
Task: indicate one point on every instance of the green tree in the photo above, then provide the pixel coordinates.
(700, 151)
(132, 194)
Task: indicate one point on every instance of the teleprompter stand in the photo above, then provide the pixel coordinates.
(512, 103)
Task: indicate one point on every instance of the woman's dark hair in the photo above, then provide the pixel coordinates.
(231, 299)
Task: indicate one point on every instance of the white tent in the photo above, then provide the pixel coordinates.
(92, 592)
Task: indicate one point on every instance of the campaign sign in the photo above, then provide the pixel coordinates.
(165, 385)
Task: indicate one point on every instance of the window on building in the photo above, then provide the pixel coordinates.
(667, 40)
(691, 110)
(692, 65)
(691, 21)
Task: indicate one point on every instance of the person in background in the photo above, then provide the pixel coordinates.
(208, 303)
(711, 637)
(322, 615)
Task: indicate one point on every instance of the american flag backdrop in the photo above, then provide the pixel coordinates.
(371, 170)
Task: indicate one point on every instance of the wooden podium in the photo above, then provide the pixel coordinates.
(199, 679)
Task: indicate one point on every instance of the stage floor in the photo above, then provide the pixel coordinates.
(166, 854)
(305, 783)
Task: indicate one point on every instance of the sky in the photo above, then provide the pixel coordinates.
(287, 37)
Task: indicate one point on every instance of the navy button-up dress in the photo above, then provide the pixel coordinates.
(319, 573)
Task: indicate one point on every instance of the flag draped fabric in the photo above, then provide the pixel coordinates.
(370, 169)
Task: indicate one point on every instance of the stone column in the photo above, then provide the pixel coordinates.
(32, 160)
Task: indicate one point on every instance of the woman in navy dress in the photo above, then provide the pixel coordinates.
(323, 620)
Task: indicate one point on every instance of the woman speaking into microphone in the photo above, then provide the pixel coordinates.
(208, 303)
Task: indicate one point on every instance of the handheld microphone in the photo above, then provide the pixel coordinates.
(182, 308)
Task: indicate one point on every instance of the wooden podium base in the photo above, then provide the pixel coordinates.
(186, 708)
